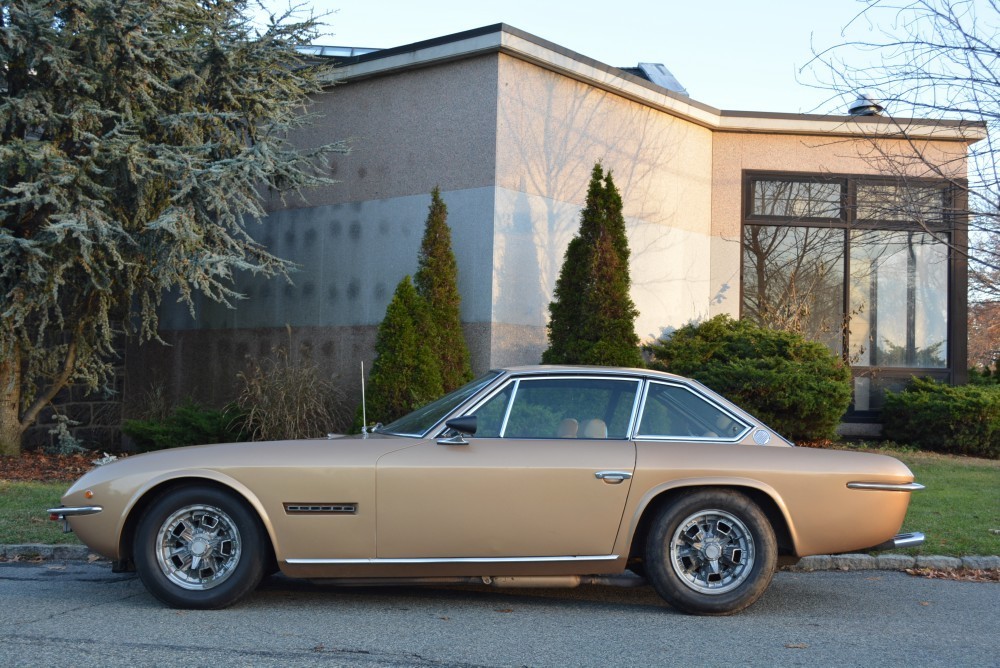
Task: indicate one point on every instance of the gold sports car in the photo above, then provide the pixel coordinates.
(526, 477)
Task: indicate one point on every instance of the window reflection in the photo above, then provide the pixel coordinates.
(796, 199)
(923, 205)
(899, 299)
(793, 279)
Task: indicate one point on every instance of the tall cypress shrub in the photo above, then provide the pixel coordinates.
(437, 282)
(406, 373)
(592, 320)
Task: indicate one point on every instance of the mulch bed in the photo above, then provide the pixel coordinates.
(41, 467)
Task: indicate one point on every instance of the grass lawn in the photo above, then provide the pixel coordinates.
(959, 508)
(22, 513)
(957, 511)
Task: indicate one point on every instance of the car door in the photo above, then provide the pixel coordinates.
(546, 475)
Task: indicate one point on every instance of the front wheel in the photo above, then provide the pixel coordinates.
(199, 548)
(711, 552)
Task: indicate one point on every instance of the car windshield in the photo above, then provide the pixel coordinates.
(421, 420)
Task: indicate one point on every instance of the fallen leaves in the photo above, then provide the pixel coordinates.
(41, 467)
(28, 558)
(962, 574)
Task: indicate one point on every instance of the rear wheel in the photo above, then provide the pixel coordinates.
(712, 552)
(200, 548)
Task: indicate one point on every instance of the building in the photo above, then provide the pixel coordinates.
(830, 223)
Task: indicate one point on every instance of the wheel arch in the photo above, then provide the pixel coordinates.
(160, 486)
(766, 498)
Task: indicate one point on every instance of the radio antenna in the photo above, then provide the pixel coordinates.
(364, 413)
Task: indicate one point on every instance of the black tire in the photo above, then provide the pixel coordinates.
(200, 548)
(711, 552)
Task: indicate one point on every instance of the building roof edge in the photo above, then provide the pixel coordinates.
(507, 39)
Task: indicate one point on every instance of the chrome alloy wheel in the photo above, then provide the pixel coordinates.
(712, 552)
(198, 547)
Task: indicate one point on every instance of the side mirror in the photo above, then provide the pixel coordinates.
(465, 425)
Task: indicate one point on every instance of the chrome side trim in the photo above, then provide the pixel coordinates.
(459, 560)
(63, 512)
(886, 486)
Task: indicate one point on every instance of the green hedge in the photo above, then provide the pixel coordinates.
(189, 424)
(942, 418)
(798, 387)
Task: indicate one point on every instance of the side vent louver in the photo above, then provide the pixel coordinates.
(321, 508)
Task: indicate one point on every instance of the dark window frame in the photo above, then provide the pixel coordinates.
(954, 224)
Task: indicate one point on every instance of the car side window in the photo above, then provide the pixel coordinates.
(489, 416)
(571, 408)
(673, 411)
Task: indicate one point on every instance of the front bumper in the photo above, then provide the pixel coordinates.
(62, 512)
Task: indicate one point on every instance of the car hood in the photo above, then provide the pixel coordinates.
(337, 450)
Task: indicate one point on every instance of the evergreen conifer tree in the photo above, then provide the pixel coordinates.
(406, 373)
(592, 319)
(137, 140)
(437, 282)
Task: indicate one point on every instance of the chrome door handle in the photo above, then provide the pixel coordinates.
(613, 477)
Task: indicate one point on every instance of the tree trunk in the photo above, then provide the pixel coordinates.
(10, 400)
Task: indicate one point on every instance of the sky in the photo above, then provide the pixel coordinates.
(729, 54)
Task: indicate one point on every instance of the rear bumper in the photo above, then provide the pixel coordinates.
(887, 487)
(901, 541)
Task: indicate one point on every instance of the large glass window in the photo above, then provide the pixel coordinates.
(793, 278)
(920, 205)
(899, 299)
(863, 265)
(795, 199)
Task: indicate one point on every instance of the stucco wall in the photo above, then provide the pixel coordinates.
(349, 258)
(551, 129)
(353, 241)
(734, 153)
(409, 131)
(203, 364)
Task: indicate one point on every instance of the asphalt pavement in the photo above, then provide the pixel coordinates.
(71, 613)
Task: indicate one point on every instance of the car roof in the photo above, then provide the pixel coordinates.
(588, 370)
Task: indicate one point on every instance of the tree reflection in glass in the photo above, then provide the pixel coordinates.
(899, 299)
(793, 279)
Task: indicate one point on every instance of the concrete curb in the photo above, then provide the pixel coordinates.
(891, 562)
(47, 552)
(837, 562)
